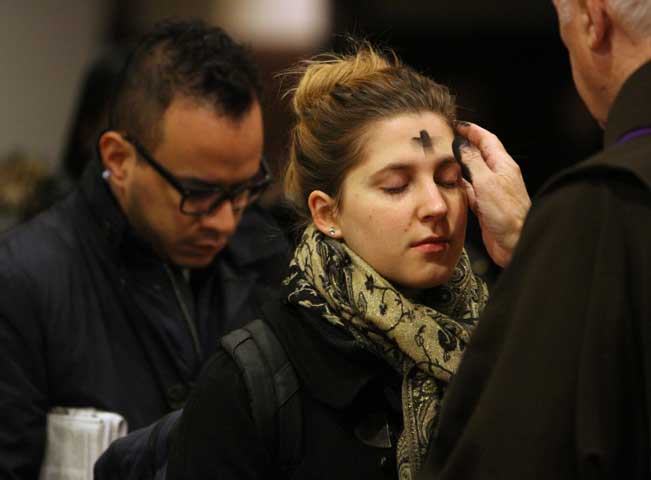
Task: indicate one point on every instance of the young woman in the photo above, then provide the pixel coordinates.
(380, 300)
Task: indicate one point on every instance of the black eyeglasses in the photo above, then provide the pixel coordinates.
(197, 201)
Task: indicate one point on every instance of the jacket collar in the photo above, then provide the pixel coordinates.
(330, 365)
(104, 208)
(630, 110)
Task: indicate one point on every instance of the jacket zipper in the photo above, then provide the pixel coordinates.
(186, 313)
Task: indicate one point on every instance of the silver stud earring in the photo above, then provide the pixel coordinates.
(332, 231)
(106, 174)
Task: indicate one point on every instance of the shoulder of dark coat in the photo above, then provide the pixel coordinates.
(221, 361)
(46, 245)
(629, 163)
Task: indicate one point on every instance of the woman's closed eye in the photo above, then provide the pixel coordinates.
(448, 184)
(394, 182)
(395, 190)
(449, 176)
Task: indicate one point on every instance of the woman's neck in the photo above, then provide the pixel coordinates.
(416, 295)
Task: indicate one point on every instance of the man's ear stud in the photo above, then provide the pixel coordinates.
(332, 231)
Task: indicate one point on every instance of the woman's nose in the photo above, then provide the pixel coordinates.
(432, 204)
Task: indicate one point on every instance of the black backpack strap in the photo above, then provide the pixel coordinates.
(268, 374)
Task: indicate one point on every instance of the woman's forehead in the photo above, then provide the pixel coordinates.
(424, 130)
(407, 139)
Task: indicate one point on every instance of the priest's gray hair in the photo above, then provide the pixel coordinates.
(634, 15)
(564, 10)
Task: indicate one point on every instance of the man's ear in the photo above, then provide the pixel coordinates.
(324, 213)
(596, 23)
(117, 156)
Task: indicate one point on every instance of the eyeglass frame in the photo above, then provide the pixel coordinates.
(225, 193)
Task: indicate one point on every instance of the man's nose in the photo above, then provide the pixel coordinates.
(222, 219)
(431, 203)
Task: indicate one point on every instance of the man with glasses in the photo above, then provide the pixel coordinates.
(206, 198)
(115, 297)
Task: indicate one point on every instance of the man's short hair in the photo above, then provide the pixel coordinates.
(187, 58)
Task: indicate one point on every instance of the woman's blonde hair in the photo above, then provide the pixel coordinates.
(336, 101)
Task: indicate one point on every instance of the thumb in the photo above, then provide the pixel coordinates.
(489, 146)
(472, 197)
(470, 158)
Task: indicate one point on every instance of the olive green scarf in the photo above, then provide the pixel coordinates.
(422, 341)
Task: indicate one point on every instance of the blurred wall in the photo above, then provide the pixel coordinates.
(44, 47)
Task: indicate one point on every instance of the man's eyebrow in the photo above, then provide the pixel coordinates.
(194, 182)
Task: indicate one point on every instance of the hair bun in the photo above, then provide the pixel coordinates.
(331, 76)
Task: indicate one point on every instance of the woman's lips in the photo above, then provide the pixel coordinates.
(431, 245)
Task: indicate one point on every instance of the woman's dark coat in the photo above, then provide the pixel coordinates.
(349, 398)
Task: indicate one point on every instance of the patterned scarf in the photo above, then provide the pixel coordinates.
(422, 341)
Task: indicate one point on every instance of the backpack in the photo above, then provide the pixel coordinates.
(267, 374)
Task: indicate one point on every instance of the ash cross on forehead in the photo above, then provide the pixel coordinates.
(425, 140)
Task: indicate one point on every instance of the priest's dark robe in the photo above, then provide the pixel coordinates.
(556, 381)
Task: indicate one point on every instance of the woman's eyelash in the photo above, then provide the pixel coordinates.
(395, 190)
(443, 184)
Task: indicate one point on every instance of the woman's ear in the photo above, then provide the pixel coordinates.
(324, 213)
(117, 155)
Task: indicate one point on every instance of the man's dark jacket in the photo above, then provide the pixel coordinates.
(556, 382)
(90, 317)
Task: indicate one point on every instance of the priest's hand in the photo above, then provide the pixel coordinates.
(497, 194)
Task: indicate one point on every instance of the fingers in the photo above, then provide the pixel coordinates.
(489, 145)
(470, 159)
(480, 137)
